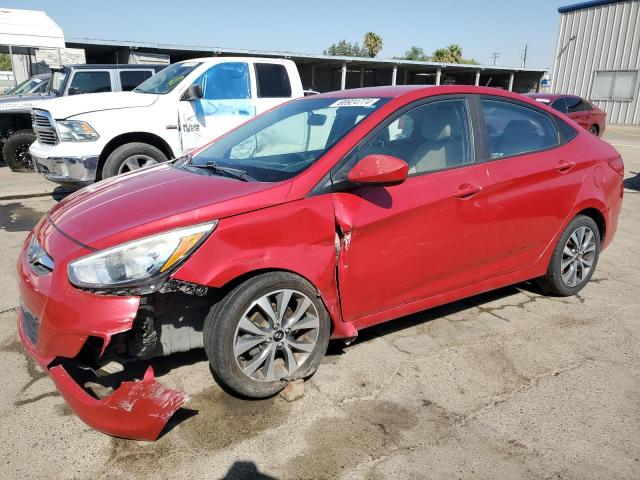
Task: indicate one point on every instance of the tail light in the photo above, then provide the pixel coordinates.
(618, 165)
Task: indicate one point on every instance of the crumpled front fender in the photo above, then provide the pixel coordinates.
(137, 410)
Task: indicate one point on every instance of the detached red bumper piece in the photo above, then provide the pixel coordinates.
(56, 320)
(138, 410)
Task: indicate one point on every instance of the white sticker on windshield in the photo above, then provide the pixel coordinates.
(189, 64)
(355, 102)
(543, 100)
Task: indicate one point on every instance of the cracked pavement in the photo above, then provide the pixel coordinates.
(509, 384)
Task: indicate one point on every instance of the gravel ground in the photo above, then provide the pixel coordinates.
(509, 384)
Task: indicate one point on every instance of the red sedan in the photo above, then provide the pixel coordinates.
(319, 218)
(581, 111)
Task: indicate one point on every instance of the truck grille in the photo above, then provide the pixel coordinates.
(30, 325)
(44, 127)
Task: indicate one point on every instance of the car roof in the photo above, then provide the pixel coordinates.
(397, 91)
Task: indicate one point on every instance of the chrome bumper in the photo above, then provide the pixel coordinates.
(71, 171)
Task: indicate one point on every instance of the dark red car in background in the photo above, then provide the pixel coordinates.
(317, 219)
(581, 111)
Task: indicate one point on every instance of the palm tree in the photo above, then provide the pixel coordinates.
(372, 43)
(455, 53)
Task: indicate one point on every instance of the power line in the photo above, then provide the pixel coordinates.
(524, 56)
(495, 56)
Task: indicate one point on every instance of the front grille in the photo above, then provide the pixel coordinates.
(30, 325)
(44, 127)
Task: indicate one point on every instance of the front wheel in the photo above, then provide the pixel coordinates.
(574, 258)
(16, 151)
(268, 330)
(130, 157)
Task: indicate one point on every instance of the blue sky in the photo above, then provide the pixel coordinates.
(503, 26)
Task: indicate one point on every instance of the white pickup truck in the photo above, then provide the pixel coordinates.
(85, 138)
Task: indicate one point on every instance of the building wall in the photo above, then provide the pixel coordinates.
(607, 37)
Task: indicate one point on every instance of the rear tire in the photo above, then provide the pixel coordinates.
(16, 150)
(130, 157)
(254, 356)
(574, 258)
(594, 130)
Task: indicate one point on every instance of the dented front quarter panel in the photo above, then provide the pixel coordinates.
(297, 236)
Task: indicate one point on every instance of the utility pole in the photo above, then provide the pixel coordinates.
(495, 56)
(524, 56)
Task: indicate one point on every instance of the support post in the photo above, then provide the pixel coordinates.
(511, 75)
(438, 75)
(394, 75)
(477, 78)
(406, 76)
(362, 77)
(313, 76)
(343, 77)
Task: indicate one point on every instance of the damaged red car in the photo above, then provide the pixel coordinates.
(319, 218)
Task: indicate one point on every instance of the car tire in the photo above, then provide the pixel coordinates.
(225, 338)
(578, 246)
(594, 130)
(130, 157)
(16, 150)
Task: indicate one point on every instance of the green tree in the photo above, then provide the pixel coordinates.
(346, 49)
(372, 43)
(415, 53)
(451, 54)
(5, 62)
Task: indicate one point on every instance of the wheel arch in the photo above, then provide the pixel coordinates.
(130, 137)
(597, 216)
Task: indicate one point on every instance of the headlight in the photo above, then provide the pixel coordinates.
(142, 263)
(76, 131)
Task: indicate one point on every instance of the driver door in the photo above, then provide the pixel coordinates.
(426, 235)
(225, 104)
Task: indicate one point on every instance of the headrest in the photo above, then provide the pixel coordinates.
(519, 130)
(438, 126)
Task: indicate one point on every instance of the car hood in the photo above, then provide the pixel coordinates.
(65, 107)
(22, 102)
(156, 200)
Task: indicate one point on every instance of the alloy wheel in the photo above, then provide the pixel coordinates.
(136, 162)
(23, 159)
(578, 256)
(276, 335)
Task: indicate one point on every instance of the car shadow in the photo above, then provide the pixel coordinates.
(245, 470)
(633, 183)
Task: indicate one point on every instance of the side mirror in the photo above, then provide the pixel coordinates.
(73, 91)
(379, 170)
(194, 92)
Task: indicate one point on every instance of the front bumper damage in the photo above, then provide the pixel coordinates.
(55, 324)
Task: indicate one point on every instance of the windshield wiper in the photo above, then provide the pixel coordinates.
(231, 172)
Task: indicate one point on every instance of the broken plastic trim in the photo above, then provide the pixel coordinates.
(138, 410)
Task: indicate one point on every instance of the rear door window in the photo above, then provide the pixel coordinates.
(514, 129)
(130, 79)
(560, 105)
(272, 81)
(90, 82)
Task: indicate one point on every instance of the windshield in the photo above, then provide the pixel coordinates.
(27, 86)
(285, 141)
(57, 81)
(167, 79)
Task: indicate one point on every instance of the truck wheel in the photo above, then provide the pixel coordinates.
(268, 330)
(16, 151)
(130, 157)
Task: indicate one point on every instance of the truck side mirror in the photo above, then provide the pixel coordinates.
(194, 92)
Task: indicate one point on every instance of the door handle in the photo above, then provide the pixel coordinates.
(467, 190)
(565, 166)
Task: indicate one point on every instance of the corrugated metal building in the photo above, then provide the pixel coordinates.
(598, 56)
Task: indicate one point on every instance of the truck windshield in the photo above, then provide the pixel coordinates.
(287, 140)
(57, 81)
(27, 86)
(167, 79)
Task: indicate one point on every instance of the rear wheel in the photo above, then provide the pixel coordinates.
(266, 331)
(594, 130)
(16, 150)
(131, 156)
(574, 258)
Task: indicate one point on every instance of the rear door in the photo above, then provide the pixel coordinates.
(272, 85)
(535, 177)
(427, 235)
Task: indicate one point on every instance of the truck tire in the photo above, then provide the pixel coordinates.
(130, 157)
(16, 150)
